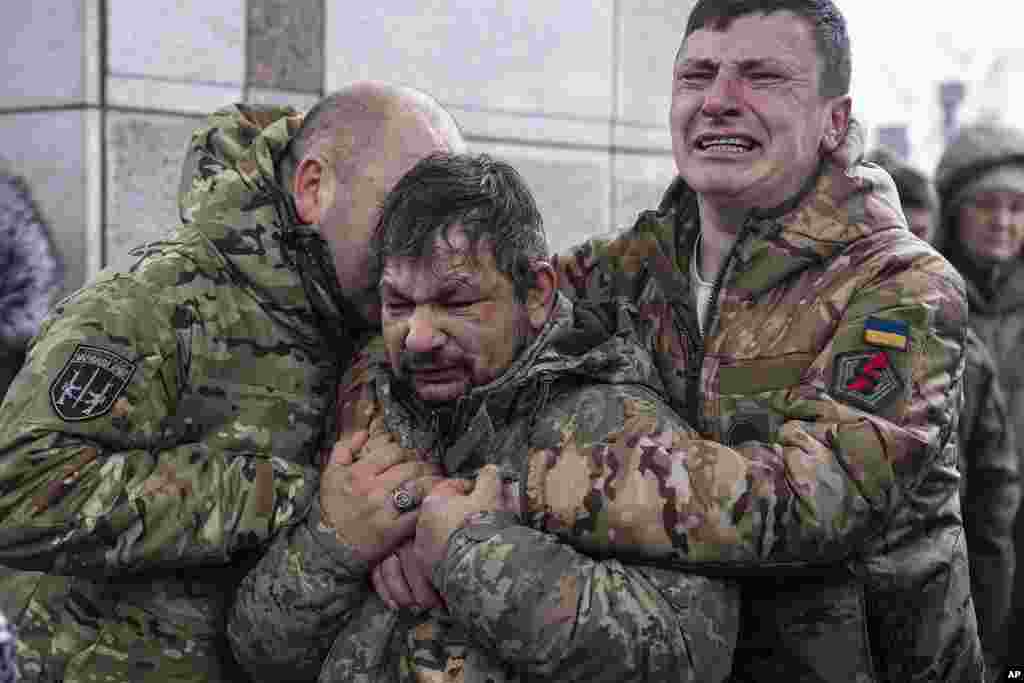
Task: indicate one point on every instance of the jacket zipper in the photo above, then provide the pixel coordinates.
(695, 400)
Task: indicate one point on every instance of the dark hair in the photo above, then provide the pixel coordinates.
(915, 189)
(487, 197)
(827, 23)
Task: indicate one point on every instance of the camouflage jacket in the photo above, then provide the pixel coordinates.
(826, 387)
(521, 605)
(30, 274)
(163, 428)
(989, 493)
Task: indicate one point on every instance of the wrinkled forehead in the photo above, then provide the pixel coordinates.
(447, 258)
(778, 36)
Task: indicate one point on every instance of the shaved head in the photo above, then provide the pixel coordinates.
(351, 122)
(351, 149)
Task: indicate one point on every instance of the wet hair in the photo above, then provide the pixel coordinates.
(827, 24)
(915, 189)
(487, 197)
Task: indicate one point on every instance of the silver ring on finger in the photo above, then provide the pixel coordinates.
(403, 500)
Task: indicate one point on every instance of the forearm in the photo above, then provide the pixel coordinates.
(88, 509)
(539, 605)
(291, 607)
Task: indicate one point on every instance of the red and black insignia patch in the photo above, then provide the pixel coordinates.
(866, 379)
(90, 382)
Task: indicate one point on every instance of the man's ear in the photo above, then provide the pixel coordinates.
(541, 296)
(838, 123)
(313, 188)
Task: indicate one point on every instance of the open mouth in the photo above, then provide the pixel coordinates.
(734, 144)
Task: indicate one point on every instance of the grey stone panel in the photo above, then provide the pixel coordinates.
(285, 45)
(44, 41)
(640, 181)
(144, 158)
(192, 40)
(571, 188)
(532, 56)
(649, 33)
(46, 149)
(301, 101)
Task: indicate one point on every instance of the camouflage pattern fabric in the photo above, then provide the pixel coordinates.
(521, 605)
(826, 390)
(164, 428)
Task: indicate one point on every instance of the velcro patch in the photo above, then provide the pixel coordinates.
(894, 334)
(90, 382)
(866, 379)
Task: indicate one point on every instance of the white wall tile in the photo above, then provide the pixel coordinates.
(571, 188)
(144, 158)
(649, 34)
(45, 48)
(46, 149)
(194, 40)
(526, 129)
(530, 56)
(169, 96)
(640, 181)
(299, 100)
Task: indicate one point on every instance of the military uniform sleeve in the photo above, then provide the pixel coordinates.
(841, 462)
(552, 612)
(291, 607)
(103, 470)
(992, 493)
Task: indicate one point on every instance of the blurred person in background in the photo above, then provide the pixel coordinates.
(917, 193)
(980, 182)
(31, 274)
(989, 487)
(8, 665)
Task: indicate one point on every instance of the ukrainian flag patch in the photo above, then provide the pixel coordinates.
(893, 334)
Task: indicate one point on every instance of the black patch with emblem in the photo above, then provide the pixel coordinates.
(866, 379)
(90, 382)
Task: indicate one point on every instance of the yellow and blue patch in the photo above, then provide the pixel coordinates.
(893, 334)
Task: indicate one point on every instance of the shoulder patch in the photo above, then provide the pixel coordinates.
(89, 383)
(866, 379)
(893, 334)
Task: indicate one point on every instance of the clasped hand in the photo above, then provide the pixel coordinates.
(402, 548)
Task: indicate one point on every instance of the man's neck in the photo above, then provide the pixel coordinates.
(719, 228)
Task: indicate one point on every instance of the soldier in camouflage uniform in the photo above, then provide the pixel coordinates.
(166, 422)
(980, 180)
(818, 348)
(486, 364)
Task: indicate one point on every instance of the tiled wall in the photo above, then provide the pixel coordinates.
(101, 96)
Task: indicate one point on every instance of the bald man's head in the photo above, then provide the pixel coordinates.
(352, 121)
(352, 148)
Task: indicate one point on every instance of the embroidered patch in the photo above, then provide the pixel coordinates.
(894, 334)
(865, 379)
(90, 382)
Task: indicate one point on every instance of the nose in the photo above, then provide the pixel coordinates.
(424, 335)
(722, 96)
(1003, 217)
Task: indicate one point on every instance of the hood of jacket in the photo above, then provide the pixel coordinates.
(231, 192)
(836, 207)
(980, 152)
(575, 347)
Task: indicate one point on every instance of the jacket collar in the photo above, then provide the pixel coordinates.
(836, 208)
